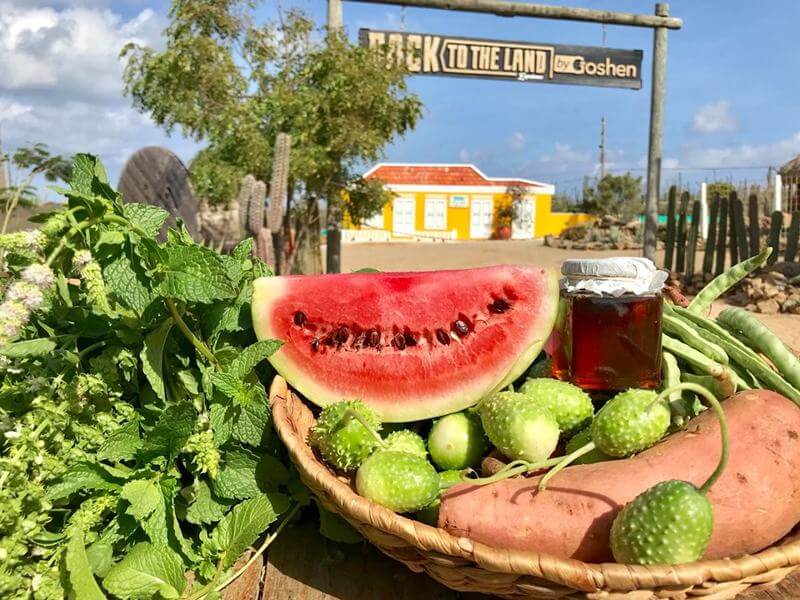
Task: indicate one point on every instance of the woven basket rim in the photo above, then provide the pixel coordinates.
(564, 571)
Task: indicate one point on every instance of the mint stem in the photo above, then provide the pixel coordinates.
(196, 342)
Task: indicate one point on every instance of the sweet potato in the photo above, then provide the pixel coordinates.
(756, 501)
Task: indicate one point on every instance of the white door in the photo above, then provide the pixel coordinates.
(481, 217)
(403, 217)
(522, 226)
(435, 213)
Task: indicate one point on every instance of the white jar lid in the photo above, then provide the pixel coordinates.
(612, 276)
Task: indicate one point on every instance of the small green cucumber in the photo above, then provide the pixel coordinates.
(519, 427)
(406, 441)
(430, 514)
(399, 481)
(342, 440)
(569, 404)
(630, 422)
(457, 441)
(668, 524)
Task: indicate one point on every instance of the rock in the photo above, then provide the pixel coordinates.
(768, 307)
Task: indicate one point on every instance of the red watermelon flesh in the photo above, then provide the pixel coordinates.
(411, 345)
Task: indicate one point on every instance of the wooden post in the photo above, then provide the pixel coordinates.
(741, 230)
(733, 243)
(722, 235)
(680, 236)
(669, 243)
(775, 226)
(754, 223)
(656, 140)
(792, 238)
(691, 242)
(711, 240)
(333, 218)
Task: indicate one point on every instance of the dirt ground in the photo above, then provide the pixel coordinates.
(427, 256)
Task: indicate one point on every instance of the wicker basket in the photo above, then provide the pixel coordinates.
(465, 565)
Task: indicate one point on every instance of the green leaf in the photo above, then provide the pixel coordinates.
(228, 317)
(80, 477)
(153, 357)
(251, 356)
(177, 540)
(101, 557)
(81, 579)
(227, 383)
(194, 274)
(221, 416)
(251, 424)
(111, 238)
(28, 348)
(243, 250)
(156, 525)
(335, 528)
(144, 496)
(171, 432)
(246, 474)
(122, 444)
(240, 528)
(206, 508)
(84, 170)
(146, 217)
(128, 283)
(145, 571)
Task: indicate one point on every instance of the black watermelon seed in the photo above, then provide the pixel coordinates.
(315, 344)
(410, 339)
(342, 334)
(499, 306)
(442, 336)
(399, 342)
(460, 327)
(373, 338)
(328, 341)
(300, 318)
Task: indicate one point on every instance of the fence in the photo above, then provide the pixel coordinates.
(729, 234)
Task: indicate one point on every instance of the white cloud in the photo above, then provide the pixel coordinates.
(516, 141)
(565, 158)
(61, 80)
(773, 153)
(714, 117)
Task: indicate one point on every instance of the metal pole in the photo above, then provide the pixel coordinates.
(503, 8)
(333, 218)
(656, 140)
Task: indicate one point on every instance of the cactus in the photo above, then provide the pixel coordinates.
(245, 192)
(279, 182)
(255, 209)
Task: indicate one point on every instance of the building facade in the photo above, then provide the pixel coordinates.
(458, 202)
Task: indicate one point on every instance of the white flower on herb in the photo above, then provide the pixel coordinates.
(13, 317)
(26, 293)
(39, 275)
(34, 239)
(81, 259)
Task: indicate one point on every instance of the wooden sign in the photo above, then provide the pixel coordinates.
(426, 54)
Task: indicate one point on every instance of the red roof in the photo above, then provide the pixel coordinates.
(421, 174)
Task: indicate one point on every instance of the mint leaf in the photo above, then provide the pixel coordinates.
(144, 496)
(171, 432)
(111, 238)
(79, 571)
(335, 528)
(206, 508)
(194, 274)
(145, 571)
(240, 528)
(251, 356)
(227, 383)
(100, 556)
(169, 489)
(128, 283)
(226, 316)
(28, 348)
(243, 250)
(84, 170)
(247, 474)
(153, 357)
(156, 523)
(221, 417)
(252, 421)
(81, 476)
(122, 444)
(146, 217)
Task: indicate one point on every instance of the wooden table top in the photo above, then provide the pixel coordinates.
(302, 565)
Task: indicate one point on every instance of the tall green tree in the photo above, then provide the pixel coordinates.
(235, 83)
(618, 195)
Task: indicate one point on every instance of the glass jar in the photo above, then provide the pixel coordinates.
(609, 326)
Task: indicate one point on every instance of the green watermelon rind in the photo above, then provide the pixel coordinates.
(268, 290)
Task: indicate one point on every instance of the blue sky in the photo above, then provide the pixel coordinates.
(732, 89)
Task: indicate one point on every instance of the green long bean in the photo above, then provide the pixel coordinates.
(701, 303)
(707, 324)
(700, 361)
(690, 336)
(766, 342)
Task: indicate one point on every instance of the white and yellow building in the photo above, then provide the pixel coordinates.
(458, 202)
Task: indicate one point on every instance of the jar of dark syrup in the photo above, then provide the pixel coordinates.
(609, 325)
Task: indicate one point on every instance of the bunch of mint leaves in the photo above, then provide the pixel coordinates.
(137, 458)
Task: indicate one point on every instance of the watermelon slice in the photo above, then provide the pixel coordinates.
(411, 345)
